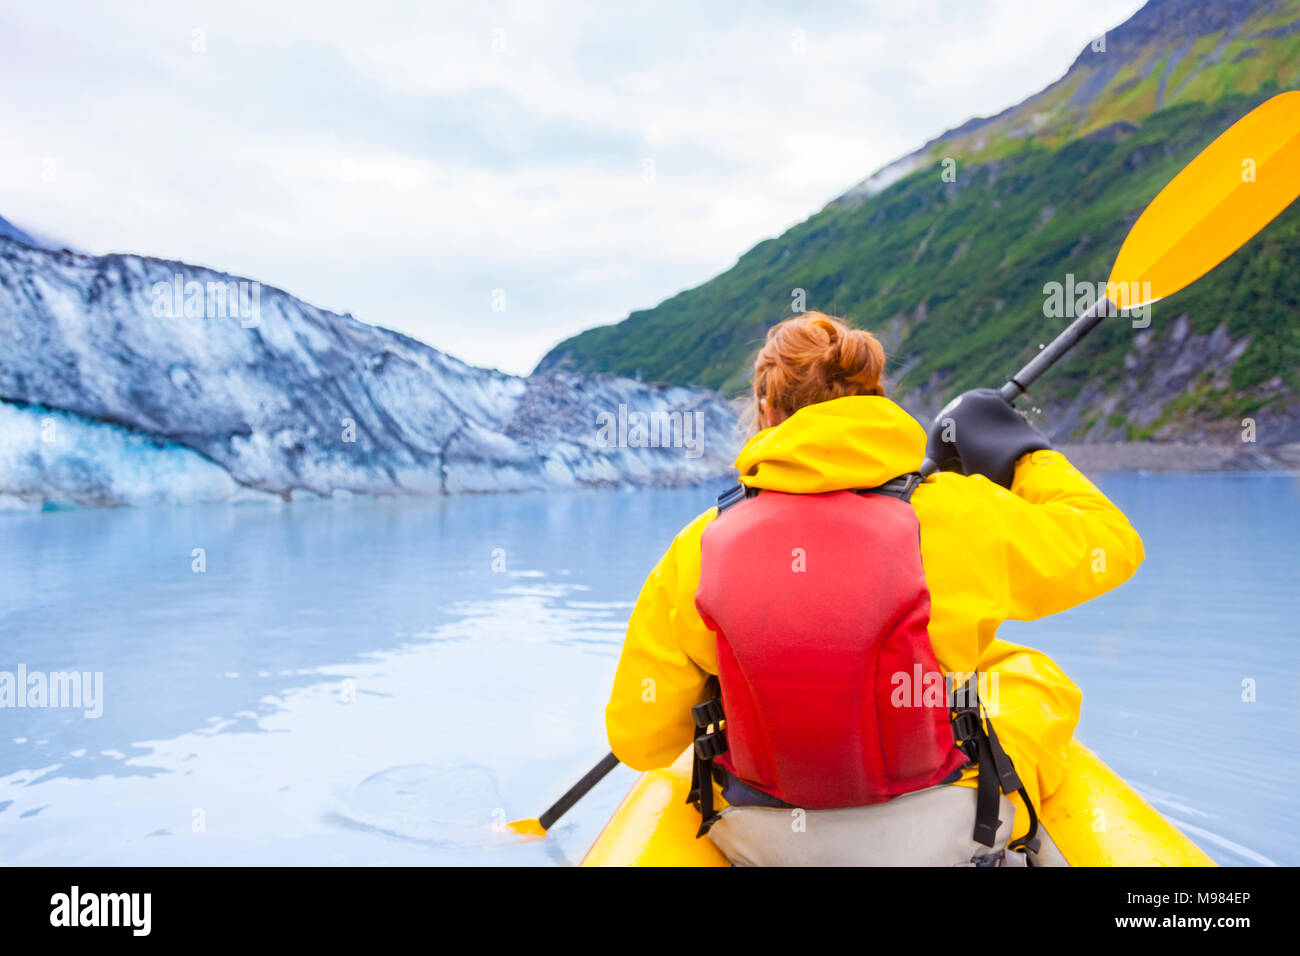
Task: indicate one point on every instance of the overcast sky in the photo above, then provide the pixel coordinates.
(402, 161)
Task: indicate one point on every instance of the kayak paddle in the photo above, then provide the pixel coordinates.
(537, 827)
(1205, 214)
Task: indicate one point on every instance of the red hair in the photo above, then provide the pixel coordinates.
(814, 358)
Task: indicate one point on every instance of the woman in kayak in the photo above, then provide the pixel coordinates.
(847, 611)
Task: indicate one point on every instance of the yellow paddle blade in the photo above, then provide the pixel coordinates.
(529, 828)
(1231, 191)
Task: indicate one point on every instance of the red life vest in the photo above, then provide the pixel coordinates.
(822, 613)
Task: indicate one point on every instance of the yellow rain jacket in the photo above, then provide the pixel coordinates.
(990, 555)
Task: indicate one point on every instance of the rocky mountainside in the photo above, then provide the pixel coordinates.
(951, 252)
(126, 379)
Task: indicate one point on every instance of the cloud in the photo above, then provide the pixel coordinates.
(403, 161)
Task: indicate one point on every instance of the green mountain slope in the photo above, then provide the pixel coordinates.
(951, 274)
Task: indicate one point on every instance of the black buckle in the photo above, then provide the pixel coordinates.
(966, 725)
(709, 712)
(733, 496)
(709, 746)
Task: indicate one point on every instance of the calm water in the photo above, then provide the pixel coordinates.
(356, 683)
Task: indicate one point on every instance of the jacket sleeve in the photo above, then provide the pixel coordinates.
(1064, 543)
(667, 658)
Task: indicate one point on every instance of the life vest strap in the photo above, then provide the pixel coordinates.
(900, 488)
(1030, 840)
(979, 741)
(710, 743)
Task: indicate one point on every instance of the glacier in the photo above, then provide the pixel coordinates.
(51, 459)
(151, 400)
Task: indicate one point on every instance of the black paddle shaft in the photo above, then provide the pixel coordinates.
(578, 791)
(1019, 383)
(1049, 356)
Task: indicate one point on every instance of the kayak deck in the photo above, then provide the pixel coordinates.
(1094, 819)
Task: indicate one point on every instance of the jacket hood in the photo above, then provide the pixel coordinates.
(859, 441)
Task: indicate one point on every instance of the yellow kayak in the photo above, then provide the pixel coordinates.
(1094, 819)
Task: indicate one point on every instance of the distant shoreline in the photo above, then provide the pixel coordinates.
(1181, 457)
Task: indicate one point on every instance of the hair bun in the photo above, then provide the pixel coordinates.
(835, 348)
(850, 353)
(813, 358)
